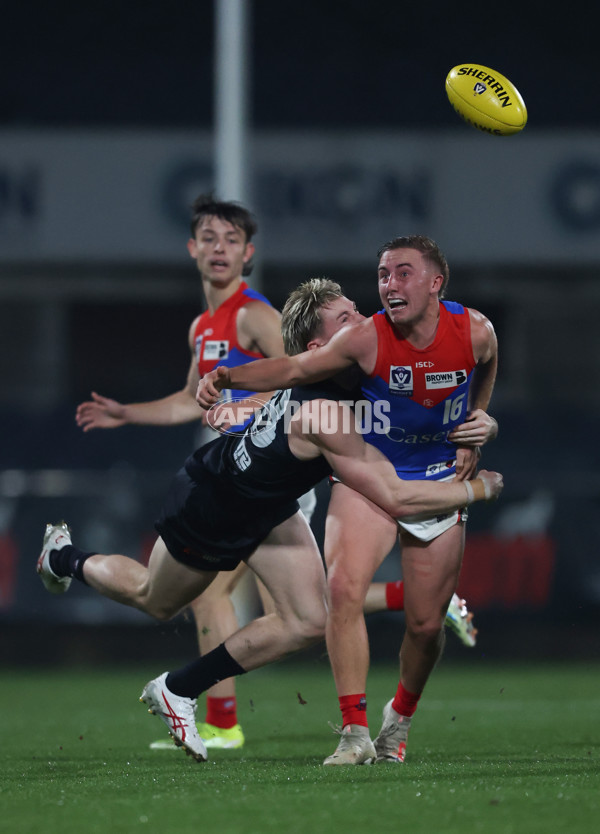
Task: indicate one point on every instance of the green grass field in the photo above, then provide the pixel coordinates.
(493, 749)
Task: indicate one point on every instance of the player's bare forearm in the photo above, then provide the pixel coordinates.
(173, 410)
(478, 427)
(364, 469)
(280, 372)
(262, 375)
(425, 499)
(482, 384)
(419, 499)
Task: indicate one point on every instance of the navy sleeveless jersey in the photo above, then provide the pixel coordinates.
(258, 464)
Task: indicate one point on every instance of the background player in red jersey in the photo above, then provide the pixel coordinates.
(392, 349)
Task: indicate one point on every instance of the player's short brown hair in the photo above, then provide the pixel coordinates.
(427, 247)
(207, 205)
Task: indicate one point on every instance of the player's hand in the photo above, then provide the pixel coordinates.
(477, 429)
(494, 483)
(210, 387)
(467, 461)
(100, 413)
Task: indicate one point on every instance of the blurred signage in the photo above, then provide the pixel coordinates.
(125, 196)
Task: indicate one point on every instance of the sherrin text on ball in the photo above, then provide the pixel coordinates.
(486, 99)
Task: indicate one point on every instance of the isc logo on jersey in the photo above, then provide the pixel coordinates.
(401, 380)
(215, 349)
(445, 379)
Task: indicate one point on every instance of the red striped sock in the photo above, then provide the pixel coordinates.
(394, 596)
(221, 712)
(354, 709)
(405, 702)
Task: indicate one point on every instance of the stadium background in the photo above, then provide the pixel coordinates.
(106, 134)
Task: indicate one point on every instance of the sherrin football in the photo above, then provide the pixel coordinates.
(486, 99)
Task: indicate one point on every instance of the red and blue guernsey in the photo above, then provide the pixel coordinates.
(215, 337)
(420, 395)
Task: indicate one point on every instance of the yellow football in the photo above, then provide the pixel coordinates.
(486, 99)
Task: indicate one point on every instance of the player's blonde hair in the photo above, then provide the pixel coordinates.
(301, 315)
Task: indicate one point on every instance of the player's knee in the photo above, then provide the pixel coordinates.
(159, 609)
(426, 630)
(160, 612)
(310, 626)
(344, 592)
(314, 626)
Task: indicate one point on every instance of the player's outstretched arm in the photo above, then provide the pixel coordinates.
(363, 468)
(352, 345)
(104, 413)
(378, 482)
(270, 375)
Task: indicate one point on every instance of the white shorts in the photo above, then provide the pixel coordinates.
(427, 529)
(430, 528)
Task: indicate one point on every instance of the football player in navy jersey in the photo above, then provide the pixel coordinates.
(227, 498)
(238, 325)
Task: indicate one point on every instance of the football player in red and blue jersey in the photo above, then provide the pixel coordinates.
(429, 369)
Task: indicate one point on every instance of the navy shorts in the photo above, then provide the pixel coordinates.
(207, 525)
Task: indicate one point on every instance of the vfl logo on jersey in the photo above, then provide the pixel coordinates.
(198, 348)
(215, 350)
(445, 379)
(401, 380)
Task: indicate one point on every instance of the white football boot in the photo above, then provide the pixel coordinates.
(55, 538)
(390, 744)
(355, 747)
(178, 713)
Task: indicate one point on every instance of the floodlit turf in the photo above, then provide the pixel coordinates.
(493, 749)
